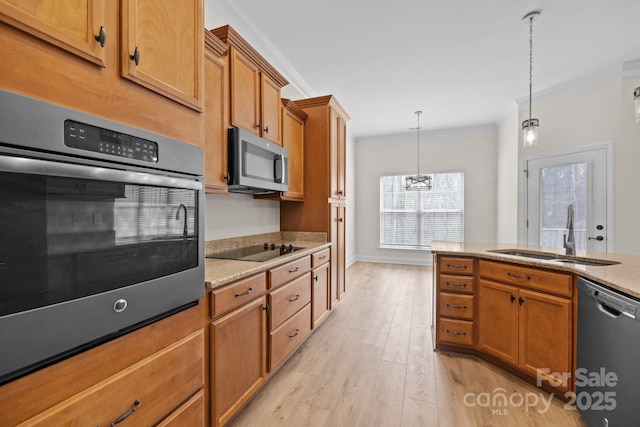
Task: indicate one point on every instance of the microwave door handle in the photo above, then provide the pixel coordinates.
(278, 172)
(71, 170)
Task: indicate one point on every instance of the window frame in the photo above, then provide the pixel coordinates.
(421, 246)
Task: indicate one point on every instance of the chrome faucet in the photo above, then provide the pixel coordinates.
(184, 227)
(570, 242)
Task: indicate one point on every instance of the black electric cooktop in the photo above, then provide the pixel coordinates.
(258, 253)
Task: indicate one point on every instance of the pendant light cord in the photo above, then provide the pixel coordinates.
(530, 64)
(418, 130)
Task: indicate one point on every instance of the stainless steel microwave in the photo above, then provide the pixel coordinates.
(256, 166)
(100, 231)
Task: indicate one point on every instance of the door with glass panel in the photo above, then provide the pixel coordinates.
(555, 182)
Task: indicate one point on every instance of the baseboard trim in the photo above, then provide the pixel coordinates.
(388, 260)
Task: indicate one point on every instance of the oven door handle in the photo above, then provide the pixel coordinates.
(71, 170)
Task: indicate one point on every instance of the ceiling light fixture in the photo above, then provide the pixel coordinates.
(418, 182)
(636, 98)
(530, 126)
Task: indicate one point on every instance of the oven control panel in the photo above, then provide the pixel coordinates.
(100, 140)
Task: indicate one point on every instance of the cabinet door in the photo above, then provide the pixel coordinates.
(333, 233)
(215, 151)
(293, 141)
(342, 158)
(145, 386)
(321, 294)
(167, 38)
(70, 25)
(334, 152)
(245, 92)
(340, 251)
(545, 335)
(271, 110)
(238, 358)
(498, 320)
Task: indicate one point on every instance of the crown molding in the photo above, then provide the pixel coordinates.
(233, 15)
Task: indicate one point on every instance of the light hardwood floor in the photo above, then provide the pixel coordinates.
(371, 363)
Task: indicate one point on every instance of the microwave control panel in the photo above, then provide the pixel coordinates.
(100, 140)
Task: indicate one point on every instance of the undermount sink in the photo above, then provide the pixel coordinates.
(548, 256)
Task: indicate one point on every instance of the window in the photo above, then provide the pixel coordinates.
(412, 219)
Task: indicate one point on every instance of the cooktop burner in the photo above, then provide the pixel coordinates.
(258, 253)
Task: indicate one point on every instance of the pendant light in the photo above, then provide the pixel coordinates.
(530, 126)
(418, 182)
(636, 98)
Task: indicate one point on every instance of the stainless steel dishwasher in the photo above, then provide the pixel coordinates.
(607, 374)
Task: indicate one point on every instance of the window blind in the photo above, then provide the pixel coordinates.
(412, 219)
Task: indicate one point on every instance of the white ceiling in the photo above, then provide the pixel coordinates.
(462, 62)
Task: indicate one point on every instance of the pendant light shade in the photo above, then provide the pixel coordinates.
(530, 126)
(418, 182)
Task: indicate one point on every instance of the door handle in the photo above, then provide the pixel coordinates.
(598, 238)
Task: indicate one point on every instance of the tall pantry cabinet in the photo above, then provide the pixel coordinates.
(324, 206)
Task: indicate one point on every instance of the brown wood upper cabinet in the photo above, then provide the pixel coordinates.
(215, 115)
(75, 26)
(254, 88)
(162, 47)
(326, 129)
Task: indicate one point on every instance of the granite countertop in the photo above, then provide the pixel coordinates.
(624, 277)
(220, 272)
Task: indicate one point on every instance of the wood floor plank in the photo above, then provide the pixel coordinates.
(371, 363)
(385, 406)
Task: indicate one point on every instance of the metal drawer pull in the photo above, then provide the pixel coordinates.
(456, 266)
(127, 414)
(457, 285)
(456, 333)
(296, 333)
(322, 257)
(457, 307)
(296, 298)
(247, 292)
(516, 276)
(294, 270)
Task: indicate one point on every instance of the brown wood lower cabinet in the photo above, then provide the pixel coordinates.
(321, 293)
(526, 328)
(523, 316)
(157, 370)
(238, 358)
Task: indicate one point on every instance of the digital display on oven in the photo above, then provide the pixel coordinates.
(106, 141)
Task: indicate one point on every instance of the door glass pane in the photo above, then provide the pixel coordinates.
(561, 186)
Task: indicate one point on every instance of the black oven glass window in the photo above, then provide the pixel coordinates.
(66, 238)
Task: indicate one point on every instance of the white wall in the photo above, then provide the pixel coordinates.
(508, 173)
(471, 150)
(236, 215)
(599, 114)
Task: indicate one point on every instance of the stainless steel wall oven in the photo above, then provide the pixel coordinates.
(100, 231)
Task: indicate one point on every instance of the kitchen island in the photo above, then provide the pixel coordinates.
(516, 306)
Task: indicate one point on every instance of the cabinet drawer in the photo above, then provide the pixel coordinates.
(454, 305)
(238, 293)
(289, 298)
(321, 257)
(190, 414)
(460, 284)
(455, 331)
(548, 281)
(285, 273)
(287, 337)
(456, 265)
(155, 386)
